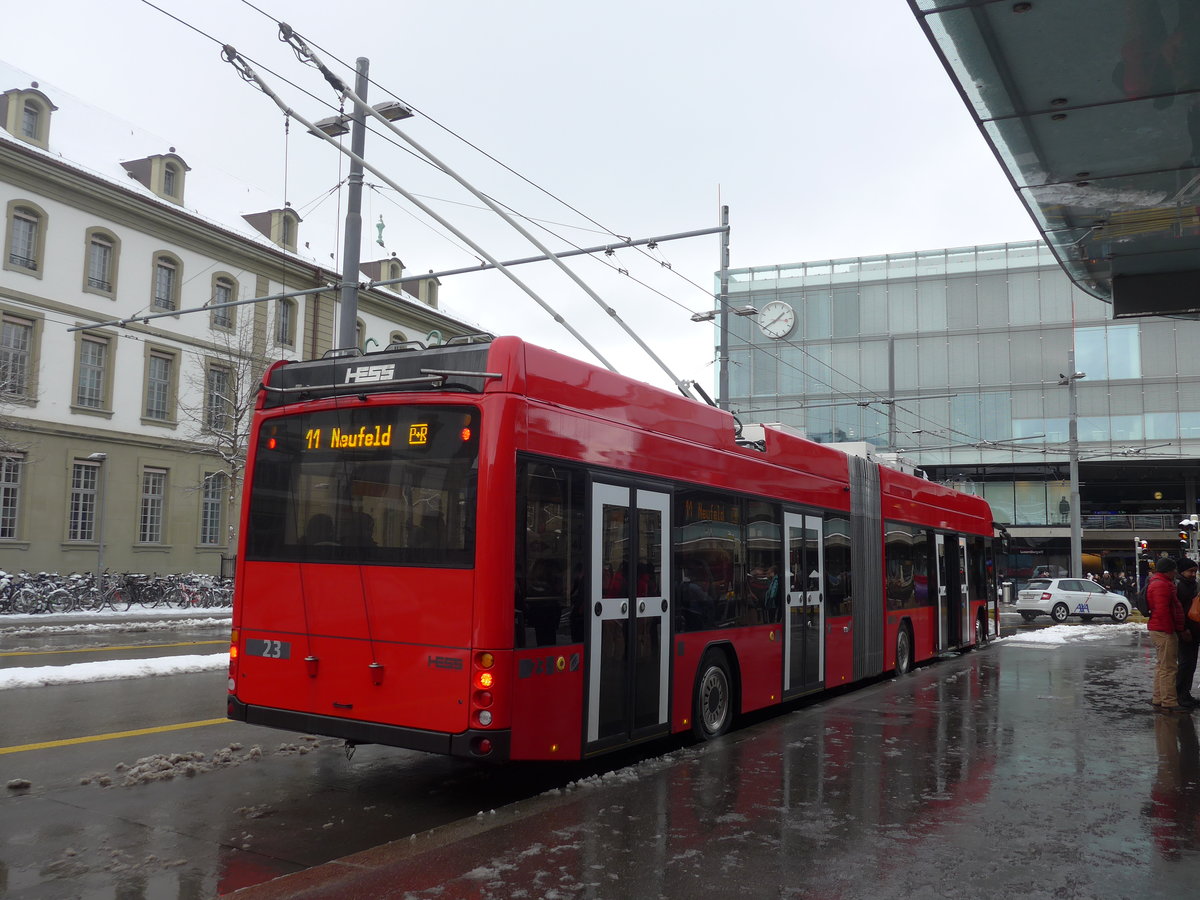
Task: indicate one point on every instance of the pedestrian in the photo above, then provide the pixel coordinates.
(1185, 589)
(1166, 630)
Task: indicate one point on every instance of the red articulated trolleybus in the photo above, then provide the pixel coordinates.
(492, 550)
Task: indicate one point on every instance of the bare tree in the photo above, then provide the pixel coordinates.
(228, 375)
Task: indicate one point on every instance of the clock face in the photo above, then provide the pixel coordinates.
(777, 319)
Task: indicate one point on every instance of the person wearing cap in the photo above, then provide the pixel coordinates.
(1166, 630)
(1185, 590)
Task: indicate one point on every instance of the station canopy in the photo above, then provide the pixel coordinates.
(1093, 109)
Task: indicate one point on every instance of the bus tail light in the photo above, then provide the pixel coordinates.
(233, 660)
(485, 681)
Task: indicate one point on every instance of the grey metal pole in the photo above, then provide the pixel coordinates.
(1073, 455)
(723, 317)
(351, 249)
(102, 460)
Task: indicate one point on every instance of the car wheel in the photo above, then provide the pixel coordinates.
(712, 705)
(1028, 617)
(1120, 613)
(904, 656)
(1060, 612)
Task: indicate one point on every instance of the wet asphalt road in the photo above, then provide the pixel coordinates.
(1024, 770)
(1056, 746)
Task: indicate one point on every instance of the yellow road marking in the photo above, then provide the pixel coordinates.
(110, 736)
(105, 649)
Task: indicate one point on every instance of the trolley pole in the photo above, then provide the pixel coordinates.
(351, 248)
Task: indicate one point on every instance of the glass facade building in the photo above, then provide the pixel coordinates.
(955, 359)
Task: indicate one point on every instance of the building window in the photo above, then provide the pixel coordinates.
(160, 376)
(16, 344)
(100, 259)
(31, 117)
(212, 506)
(24, 239)
(287, 231)
(10, 495)
(92, 374)
(1108, 352)
(82, 521)
(224, 291)
(397, 337)
(217, 401)
(285, 323)
(360, 334)
(154, 493)
(170, 180)
(166, 283)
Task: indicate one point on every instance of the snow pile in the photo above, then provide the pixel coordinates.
(111, 670)
(113, 625)
(166, 766)
(1072, 634)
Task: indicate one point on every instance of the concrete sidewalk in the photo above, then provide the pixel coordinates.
(1027, 769)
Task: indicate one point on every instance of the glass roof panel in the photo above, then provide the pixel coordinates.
(1093, 109)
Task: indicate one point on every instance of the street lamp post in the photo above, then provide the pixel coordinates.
(102, 459)
(1073, 457)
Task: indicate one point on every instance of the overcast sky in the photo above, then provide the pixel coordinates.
(829, 128)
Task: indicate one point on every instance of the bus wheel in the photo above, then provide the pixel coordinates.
(903, 651)
(712, 707)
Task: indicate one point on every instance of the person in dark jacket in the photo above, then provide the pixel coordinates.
(1166, 630)
(1185, 589)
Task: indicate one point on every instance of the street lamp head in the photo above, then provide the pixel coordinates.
(97, 457)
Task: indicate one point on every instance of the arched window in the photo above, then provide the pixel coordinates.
(26, 238)
(100, 274)
(171, 180)
(224, 291)
(168, 273)
(31, 120)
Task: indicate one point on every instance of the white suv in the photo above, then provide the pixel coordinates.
(1062, 597)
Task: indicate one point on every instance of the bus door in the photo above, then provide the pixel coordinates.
(943, 604)
(804, 618)
(966, 627)
(629, 631)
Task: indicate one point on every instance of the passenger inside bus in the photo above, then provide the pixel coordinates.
(697, 607)
(319, 532)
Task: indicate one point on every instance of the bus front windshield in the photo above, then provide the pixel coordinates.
(385, 485)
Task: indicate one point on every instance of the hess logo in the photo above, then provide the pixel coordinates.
(368, 374)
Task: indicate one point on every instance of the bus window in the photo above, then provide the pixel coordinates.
(551, 596)
(764, 544)
(839, 598)
(901, 568)
(390, 485)
(709, 546)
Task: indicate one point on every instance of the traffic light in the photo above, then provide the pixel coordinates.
(1143, 545)
(1184, 540)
